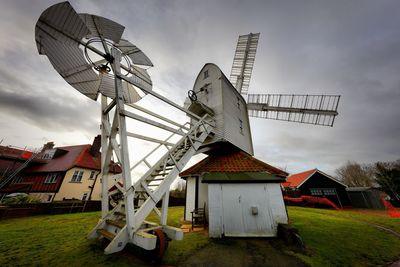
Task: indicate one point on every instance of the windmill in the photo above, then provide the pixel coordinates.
(88, 51)
(213, 93)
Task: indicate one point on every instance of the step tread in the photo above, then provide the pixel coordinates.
(106, 234)
(119, 224)
(118, 213)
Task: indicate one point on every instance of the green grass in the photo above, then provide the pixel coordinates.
(60, 240)
(333, 238)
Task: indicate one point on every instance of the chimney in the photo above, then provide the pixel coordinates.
(48, 145)
(95, 149)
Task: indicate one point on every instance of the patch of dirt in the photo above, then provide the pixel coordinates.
(237, 252)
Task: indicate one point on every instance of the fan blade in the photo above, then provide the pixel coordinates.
(132, 51)
(243, 61)
(102, 27)
(107, 88)
(310, 109)
(62, 23)
(72, 66)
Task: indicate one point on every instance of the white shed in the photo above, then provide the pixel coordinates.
(242, 195)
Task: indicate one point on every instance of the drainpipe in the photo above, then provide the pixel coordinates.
(92, 188)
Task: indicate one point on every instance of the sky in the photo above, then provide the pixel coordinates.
(350, 48)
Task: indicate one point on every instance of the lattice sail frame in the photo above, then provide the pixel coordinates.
(309, 109)
(243, 61)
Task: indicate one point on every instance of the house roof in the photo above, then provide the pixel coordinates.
(234, 161)
(296, 180)
(75, 156)
(14, 153)
(243, 177)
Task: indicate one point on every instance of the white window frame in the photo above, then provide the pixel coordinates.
(92, 175)
(51, 178)
(77, 176)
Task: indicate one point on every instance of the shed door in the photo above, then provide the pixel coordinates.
(246, 211)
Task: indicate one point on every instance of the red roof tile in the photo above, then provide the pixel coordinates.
(10, 152)
(236, 161)
(298, 178)
(76, 156)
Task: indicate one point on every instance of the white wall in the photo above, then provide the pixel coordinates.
(223, 99)
(230, 209)
(190, 197)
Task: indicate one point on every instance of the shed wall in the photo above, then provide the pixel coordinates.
(190, 197)
(245, 209)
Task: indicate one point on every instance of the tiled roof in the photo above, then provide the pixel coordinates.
(298, 178)
(234, 161)
(10, 152)
(76, 156)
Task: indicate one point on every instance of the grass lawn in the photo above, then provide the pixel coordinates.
(338, 238)
(332, 238)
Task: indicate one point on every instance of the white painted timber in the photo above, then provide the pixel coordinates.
(245, 209)
(190, 197)
(215, 91)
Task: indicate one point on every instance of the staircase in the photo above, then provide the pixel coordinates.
(151, 188)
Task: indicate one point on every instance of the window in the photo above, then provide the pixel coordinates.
(329, 192)
(18, 180)
(49, 198)
(205, 74)
(92, 174)
(238, 102)
(241, 126)
(323, 191)
(77, 177)
(49, 153)
(316, 192)
(51, 178)
(85, 196)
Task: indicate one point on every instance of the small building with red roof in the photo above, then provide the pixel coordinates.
(62, 173)
(241, 194)
(319, 184)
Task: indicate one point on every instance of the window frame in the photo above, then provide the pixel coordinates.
(51, 178)
(92, 175)
(206, 74)
(77, 176)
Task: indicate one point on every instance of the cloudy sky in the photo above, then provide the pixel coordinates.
(351, 48)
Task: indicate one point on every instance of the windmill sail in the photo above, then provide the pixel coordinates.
(243, 61)
(310, 109)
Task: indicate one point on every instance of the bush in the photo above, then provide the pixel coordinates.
(21, 199)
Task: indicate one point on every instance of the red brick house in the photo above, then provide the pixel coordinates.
(70, 172)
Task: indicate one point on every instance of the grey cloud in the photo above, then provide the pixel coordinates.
(342, 47)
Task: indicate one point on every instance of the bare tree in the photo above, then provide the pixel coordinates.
(354, 174)
(387, 175)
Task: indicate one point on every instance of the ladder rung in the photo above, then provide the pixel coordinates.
(160, 174)
(119, 224)
(156, 179)
(106, 234)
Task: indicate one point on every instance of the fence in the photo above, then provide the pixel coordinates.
(24, 210)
